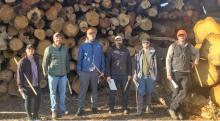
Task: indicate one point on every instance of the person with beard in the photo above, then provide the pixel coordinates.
(55, 68)
(181, 57)
(91, 60)
(119, 69)
(145, 75)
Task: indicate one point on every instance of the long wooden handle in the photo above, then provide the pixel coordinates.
(197, 73)
(27, 79)
(68, 83)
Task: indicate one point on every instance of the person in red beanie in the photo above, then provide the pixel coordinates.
(181, 57)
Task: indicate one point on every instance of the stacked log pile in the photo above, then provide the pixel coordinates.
(35, 21)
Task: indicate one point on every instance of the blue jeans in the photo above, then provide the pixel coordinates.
(57, 82)
(146, 87)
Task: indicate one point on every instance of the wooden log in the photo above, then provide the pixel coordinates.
(123, 19)
(49, 32)
(43, 83)
(21, 22)
(72, 66)
(40, 24)
(104, 23)
(28, 3)
(143, 5)
(6, 75)
(69, 42)
(13, 89)
(42, 46)
(164, 30)
(3, 88)
(198, 105)
(3, 37)
(70, 29)
(132, 5)
(58, 6)
(215, 94)
(132, 18)
(16, 44)
(107, 4)
(115, 21)
(12, 31)
(35, 15)
(143, 36)
(40, 34)
(152, 12)
(24, 38)
(83, 26)
(92, 18)
(7, 13)
(52, 13)
(75, 84)
(57, 25)
(75, 53)
(12, 65)
(131, 51)
(144, 23)
(105, 44)
(9, 1)
(9, 53)
(218, 3)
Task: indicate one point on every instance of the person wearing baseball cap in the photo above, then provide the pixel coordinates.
(29, 67)
(55, 68)
(145, 75)
(181, 57)
(119, 69)
(90, 62)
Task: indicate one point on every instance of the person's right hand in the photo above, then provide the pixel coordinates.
(169, 77)
(22, 90)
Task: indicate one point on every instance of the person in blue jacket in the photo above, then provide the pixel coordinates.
(90, 66)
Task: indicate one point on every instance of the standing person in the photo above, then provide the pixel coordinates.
(29, 66)
(90, 60)
(55, 67)
(145, 75)
(119, 69)
(179, 61)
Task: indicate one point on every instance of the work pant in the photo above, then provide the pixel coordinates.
(87, 78)
(57, 82)
(28, 101)
(179, 94)
(120, 82)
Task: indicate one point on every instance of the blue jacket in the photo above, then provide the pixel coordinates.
(89, 54)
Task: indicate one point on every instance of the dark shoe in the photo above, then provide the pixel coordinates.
(95, 110)
(54, 115)
(149, 110)
(172, 114)
(125, 112)
(80, 112)
(180, 116)
(62, 113)
(138, 114)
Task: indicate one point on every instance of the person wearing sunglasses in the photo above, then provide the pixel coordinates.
(181, 57)
(145, 76)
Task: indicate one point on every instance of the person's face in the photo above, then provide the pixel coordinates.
(118, 42)
(30, 51)
(91, 35)
(57, 40)
(145, 44)
(181, 38)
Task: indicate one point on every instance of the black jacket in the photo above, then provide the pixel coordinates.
(24, 67)
(118, 62)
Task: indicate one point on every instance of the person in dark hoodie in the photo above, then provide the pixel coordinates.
(29, 66)
(90, 66)
(119, 69)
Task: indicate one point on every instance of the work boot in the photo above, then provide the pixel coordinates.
(80, 112)
(54, 115)
(149, 110)
(172, 114)
(179, 115)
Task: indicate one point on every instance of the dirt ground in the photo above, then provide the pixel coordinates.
(12, 108)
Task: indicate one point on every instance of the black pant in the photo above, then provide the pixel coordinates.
(37, 99)
(179, 94)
